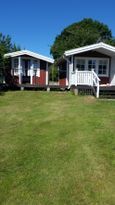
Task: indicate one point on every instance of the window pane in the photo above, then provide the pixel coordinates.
(15, 63)
(102, 69)
(35, 64)
(91, 64)
(80, 65)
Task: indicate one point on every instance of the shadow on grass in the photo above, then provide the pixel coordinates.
(2, 93)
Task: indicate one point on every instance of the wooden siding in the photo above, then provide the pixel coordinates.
(62, 74)
(42, 79)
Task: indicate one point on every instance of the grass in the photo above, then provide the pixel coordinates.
(56, 149)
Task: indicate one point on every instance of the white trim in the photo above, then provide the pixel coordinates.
(30, 53)
(20, 70)
(90, 47)
(67, 67)
(70, 68)
(106, 75)
(97, 61)
(47, 73)
(12, 66)
(37, 68)
(31, 71)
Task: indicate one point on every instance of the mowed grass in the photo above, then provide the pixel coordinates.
(56, 149)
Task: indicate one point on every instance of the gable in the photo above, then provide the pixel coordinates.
(29, 53)
(99, 47)
(93, 54)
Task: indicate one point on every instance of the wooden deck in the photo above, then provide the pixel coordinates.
(106, 91)
(107, 87)
(28, 86)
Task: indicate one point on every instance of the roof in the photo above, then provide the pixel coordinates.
(30, 53)
(102, 47)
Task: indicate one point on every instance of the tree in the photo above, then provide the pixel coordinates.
(85, 32)
(53, 74)
(6, 46)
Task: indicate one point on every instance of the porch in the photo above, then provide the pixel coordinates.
(25, 67)
(85, 78)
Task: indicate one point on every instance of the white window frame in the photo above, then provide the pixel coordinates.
(37, 68)
(76, 62)
(95, 69)
(97, 64)
(107, 73)
(15, 68)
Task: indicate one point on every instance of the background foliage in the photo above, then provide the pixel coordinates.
(79, 34)
(6, 46)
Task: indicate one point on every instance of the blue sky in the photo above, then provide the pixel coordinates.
(34, 24)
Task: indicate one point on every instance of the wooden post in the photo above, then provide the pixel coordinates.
(12, 67)
(76, 76)
(21, 88)
(20, 70)
(31, 72)
(47, 70)
(92, 77)
(48, 89)
(76, 90)
(97, 93)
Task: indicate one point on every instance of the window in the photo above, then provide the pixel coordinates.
(36, 68)
(91, 65)
(15, 66)
(15, 63)
(35, 64)
(103, 67)
(80, 64)
(99, 65)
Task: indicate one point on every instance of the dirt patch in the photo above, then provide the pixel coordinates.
(89, 99)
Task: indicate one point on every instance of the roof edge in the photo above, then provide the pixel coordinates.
(30, 53)
(89, 47)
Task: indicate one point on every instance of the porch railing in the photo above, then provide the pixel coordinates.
(85, 78)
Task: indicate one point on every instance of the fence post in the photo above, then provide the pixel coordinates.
(97, 93)
(76, 77)
(92, 77)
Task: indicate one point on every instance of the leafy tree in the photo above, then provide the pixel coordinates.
(85, 32)
(6, 46)
(53, 74)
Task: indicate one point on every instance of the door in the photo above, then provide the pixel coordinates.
(26, 71)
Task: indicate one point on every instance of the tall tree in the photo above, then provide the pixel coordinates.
(6, 46)
(85, 32)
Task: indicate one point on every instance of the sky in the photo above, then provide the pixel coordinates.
(34, 24)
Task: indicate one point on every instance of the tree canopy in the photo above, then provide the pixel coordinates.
(6, 46)
(85, 32)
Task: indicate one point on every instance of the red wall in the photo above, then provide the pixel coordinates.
(42, 79)
(62, 74)
(62, 82)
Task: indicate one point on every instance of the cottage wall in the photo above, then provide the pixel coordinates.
(112, 71)
(42, 79)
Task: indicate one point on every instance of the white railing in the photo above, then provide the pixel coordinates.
(85, 78)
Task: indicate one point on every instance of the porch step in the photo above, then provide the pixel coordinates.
(107, 92)
(86, 90)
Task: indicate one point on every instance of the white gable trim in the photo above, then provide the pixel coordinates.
(88, 48)
(32, 54)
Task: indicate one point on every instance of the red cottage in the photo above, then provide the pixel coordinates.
(29, 68)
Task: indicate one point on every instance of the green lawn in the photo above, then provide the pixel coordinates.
(56, 149)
